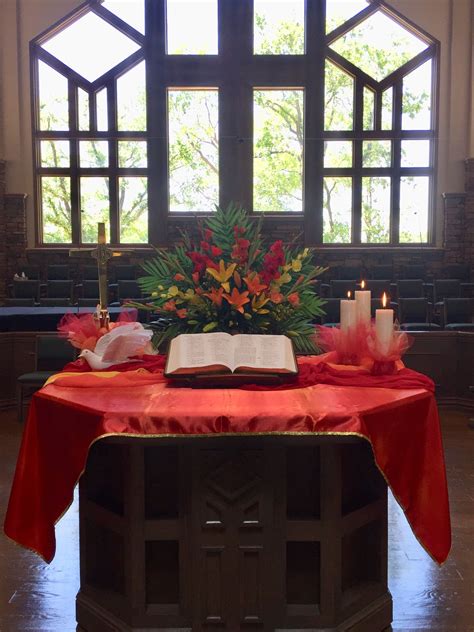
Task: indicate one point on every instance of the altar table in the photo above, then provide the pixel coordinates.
(229, 509)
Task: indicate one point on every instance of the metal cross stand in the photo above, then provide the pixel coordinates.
(102, 254)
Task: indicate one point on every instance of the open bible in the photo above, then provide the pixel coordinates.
(220, 353)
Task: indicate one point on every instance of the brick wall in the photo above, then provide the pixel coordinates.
(458, 240)
(469, 213)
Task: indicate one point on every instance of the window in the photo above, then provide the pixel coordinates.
(322, 112)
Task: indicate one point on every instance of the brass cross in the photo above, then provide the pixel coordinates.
(102, 254)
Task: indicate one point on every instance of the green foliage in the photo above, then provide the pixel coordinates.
(229, 282)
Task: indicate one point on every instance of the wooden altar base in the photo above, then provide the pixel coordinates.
(279, 534)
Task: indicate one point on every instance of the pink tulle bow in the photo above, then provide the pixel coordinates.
(83, 332)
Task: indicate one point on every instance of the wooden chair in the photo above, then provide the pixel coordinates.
(52, 353)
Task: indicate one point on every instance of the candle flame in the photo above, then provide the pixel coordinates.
(384, 300)
(362, 284)
(349, 294)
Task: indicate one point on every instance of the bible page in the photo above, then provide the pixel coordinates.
(263, 352)
(200, 350)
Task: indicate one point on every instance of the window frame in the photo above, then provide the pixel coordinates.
(224, 71)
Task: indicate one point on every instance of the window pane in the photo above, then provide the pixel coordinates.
(192, 27)
(130, 11)
(95, 207)
(53, 101)
(101, 103)
(56, 210)
(414, 207)
(82, 110)
(132, 154)
(105, 48)
(376, 153)
(55, 153)
(278, 27)
(193, 150)
(93, 153)
(417, 98)
(338, 153)
(375, 210)
(339, 11)
(278, 150)
(339, 99)
(378, 46)
(131, 99)
(415, 153)
(133, 210)
(337, 210)
(369, 105)
(387, 108)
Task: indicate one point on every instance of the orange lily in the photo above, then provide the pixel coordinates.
(253, 283)
(237, 299)
(215, 296)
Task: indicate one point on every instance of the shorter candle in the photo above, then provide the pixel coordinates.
(348, 313)
(384, 326)
(362, 298)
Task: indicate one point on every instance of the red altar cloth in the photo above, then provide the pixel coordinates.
(67, 416)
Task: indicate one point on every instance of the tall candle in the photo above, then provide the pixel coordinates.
(384, 326)
(348, 313)
(362, 298)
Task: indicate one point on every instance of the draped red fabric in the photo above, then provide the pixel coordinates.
(67, 416)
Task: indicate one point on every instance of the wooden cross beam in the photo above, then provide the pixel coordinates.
(102, 254)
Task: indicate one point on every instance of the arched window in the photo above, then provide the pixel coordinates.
(148, 112)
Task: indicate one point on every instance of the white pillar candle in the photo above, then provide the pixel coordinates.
(348, 314)
(363, 298)
(384, 327)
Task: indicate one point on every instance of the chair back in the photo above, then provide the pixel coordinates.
(26, 289)
(410, 288)
(446, 288)
(349, 272)
(57, 272)
(381, 272)
(125, 272)
(55, 302)
(332, 309)
(19, 302)
(90, 289)
(339, 288)
(413, 310)
(87, 302)
(128, 289)
(413, 271)
(31, 272)
(53, 352)
(90, 273)
(59, 289)
(461, 271)
(458, 310)
(378, 287)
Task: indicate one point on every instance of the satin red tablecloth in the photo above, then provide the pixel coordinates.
(67, 416)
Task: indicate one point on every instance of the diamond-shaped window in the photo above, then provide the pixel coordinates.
(90, 46)
(130, 11)
(339, 11)
(379, 45)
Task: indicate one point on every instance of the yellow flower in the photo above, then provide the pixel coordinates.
(223, 274)
(296, 265)
(173, 291)
(284, 278)
(258, 302)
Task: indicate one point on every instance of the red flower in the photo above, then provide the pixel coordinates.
(253, 283)
(215, 295)
(181, 313)
(178, 277)
(205, 246)
(215, 251)
(276, 297)
(207, 234)
(195, 276)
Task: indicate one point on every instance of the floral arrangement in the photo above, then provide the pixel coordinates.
(229, 281)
